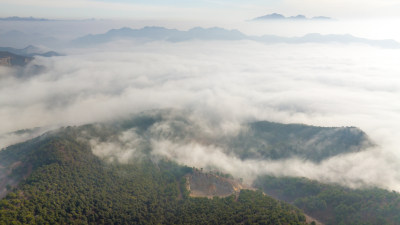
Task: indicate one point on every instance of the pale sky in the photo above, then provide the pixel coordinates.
(197, 10)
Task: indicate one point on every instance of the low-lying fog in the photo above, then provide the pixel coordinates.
(223, 84)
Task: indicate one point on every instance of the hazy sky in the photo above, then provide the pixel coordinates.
(200, 9)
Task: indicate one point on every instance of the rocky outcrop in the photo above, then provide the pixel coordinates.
(5, 61)
(209, 185)
(10, 59)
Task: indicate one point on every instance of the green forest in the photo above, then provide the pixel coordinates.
(335, 204)
(64, 183)
(56, 179)
(263, 139)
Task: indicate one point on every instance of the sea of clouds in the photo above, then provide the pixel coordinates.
(222, 85)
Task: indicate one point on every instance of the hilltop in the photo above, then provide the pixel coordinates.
(110, 173)
(63, 182)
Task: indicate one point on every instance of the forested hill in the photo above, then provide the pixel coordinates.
(335, 204)
(263, 139)
(62, 182)
(109, 173)
(254, 140)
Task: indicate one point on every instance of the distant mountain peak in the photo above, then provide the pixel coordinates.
(156, 33)
(154, 28)
(31, 51)
(16, 18)
(321, 18)
(298, 17)
(220, 34)
(272, 16)
(277, 16)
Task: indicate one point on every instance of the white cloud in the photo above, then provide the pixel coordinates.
(225, 84)
(121, 150)
(355, 170)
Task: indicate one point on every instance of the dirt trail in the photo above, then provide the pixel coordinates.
(309, 219)
(209, 185)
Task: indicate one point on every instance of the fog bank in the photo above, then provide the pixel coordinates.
(223, 84)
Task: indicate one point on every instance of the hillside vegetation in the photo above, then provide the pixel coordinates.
(255, 140)
(108, 174)
(66, 184)
(334, 204)
(277, 141)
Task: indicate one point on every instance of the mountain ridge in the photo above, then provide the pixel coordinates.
(277, 16)
(17, 18)
(70, 185)
(217, 33)
(256, 140)
(30, 51)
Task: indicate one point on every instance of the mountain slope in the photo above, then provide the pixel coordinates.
(334, 204)
(67, 184)
(255, 140)
(10, 59)
(108, 173)
(210, 184)
(30, 51)
(278, 141)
